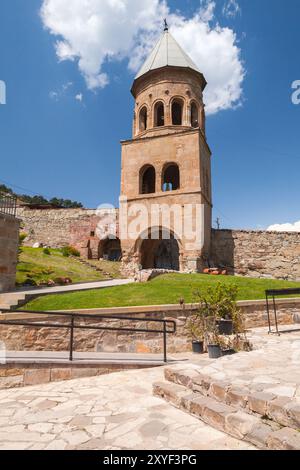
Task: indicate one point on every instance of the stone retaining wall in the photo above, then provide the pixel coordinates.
(257, 253)
(54, 339)
(19, 375)
(9, 242)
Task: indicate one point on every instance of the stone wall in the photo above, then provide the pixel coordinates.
(9, 242)
(17, 374)
(54, 339)
(57, 227)
(257, 253)
(245, 253)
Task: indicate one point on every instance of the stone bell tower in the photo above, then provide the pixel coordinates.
(165, 165)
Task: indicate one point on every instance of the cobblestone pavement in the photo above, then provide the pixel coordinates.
(273, 366)
(110, 412)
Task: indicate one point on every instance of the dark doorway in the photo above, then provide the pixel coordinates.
(160, 253)
(110, 249)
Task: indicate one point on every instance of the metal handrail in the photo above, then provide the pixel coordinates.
(165, 330)
(8, 204)
(273, 293)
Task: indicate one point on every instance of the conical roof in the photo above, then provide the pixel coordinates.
(167, 52)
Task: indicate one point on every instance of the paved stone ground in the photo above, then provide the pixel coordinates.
(118, 411)
(108, 412)
(273, 366)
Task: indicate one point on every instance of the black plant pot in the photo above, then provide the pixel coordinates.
(214, 351)
(225, 327)
(198, 347)
(228, 352)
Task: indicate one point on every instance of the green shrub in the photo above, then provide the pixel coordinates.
(46, 251)
(70, 251)
(22, 238)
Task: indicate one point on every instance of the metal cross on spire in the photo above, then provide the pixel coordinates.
(166, 25)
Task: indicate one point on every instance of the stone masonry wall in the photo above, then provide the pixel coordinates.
(257, 253)
(9, 242)
(61, 227)
(245, 253)
(57, 227)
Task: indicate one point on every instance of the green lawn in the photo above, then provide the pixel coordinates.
(36, 265)
(167, 289)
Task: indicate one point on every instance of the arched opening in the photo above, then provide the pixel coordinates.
(177, 112)
(143, 121)
(171, 178)
(161, 252)
(194, 115)
(110, 249)
(159, 115)
(147, 180)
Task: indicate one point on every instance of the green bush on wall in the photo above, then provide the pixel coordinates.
(70, 251)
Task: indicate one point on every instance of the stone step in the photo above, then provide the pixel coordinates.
(284, 411)
(11, 300)
(261, 433)
(5, 307)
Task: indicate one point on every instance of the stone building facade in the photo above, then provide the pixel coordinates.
(9, 242)
(166, 168)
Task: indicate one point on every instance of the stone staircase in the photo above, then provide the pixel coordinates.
(262, 419)
(85, 262)
(12, 300)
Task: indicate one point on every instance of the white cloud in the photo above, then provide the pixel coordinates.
(285, 227)
(79, 97)
(96, 32)
(231, 9)
(57, 94)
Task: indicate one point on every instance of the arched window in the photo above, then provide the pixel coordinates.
(159, 115)
(194, 115)
(147, 180)
(143, 119)
(177, 112)
(171, 178)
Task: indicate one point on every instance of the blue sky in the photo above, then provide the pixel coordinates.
(54, 144)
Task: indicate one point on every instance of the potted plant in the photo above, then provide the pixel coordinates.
(194, 327)
(220, 316)
(225, 307)
(212, 338)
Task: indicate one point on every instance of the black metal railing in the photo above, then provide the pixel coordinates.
(167, 326)
(8, 204)
(271, 294)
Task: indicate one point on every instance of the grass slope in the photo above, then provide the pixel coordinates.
(167, 289)
(37, 265)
